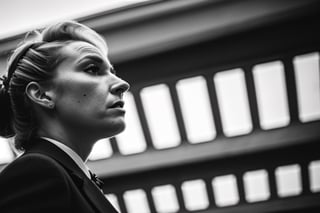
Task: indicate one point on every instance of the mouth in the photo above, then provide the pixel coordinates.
(117, 104)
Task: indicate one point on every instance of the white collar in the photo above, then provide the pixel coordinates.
(72, 154)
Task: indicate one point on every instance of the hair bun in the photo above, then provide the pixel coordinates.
(6, 127)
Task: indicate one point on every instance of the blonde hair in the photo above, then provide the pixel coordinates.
(35, 60)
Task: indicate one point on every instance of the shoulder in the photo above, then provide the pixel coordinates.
(34, 178)
(32, 163)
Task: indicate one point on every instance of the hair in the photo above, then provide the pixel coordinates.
(35, 59)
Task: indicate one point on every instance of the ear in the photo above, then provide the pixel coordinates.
(38, 95)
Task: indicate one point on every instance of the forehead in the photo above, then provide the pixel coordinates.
(79, 49)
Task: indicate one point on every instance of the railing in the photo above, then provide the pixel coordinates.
(251, 183)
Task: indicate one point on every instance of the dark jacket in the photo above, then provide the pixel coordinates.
(45, 179)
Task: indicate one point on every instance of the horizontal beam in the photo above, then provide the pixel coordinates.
(308, 204)
(179, 26)
(161, 25)
(219, 148)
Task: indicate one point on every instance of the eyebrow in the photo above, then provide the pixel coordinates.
(98, 60)
(95, 58)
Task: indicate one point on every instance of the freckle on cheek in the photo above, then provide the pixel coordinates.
(84, 95)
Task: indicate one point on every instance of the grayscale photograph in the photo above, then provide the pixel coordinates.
(159, 106)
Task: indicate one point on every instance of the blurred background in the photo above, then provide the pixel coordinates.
(224, 107)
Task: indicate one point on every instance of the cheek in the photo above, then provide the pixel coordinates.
(80, 93)
(92, 95)
(89, 97)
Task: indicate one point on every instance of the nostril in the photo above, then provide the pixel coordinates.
(121, 87)
(126, 86)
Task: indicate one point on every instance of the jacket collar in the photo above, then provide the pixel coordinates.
(91, 192)
(43, 146)
(71, 153)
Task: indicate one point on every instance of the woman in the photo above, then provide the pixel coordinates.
(60, 96)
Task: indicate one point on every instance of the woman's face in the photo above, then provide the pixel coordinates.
(87, 93)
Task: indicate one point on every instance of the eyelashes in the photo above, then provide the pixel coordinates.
(92, 69)
(95, 69)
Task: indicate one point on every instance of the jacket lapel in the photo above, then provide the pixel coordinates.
(97, 201)
(89, 189)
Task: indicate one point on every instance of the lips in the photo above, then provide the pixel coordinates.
(117, 104)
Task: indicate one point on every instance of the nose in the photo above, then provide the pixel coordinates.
(120, 86)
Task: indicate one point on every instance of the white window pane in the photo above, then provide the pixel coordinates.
(113, 200)
(271, 95)
(288, 179)
(160, 116)
(196, 110)
(101, 150)
(131, 140)
(6, 154)
(256, 185)
(165, 199)
(308, 86)
(136, 201)
(195, 195)
(233, 102)
(314, 173)
(225, 190)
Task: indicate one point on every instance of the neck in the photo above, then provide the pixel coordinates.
(80, 143)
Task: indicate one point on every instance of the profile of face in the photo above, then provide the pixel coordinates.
(88, 95)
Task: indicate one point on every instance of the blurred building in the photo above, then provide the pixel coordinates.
(223, 110)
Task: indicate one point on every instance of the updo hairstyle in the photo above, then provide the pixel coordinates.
(35, 59)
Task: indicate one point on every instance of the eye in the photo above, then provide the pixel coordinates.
(92, 69)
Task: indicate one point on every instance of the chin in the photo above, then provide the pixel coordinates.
(121, 129)
(116, 129)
